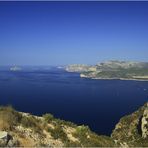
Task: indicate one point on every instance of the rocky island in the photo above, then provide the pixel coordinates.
(124, 70)
(26, 130)
(15, 68)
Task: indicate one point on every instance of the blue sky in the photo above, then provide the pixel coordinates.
(57, 33)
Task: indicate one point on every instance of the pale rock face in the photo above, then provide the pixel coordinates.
(7, 140)
(3, 138)
(144, 125)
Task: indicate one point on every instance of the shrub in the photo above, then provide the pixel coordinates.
(81, 131)
(63, 122)
(28, 122)
(31, 122)
(8, 118)
(58, 133)
(48, 117)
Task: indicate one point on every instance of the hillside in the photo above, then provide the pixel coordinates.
(113, 70)
(24, 129)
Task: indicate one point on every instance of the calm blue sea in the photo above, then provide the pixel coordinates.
(96, 103)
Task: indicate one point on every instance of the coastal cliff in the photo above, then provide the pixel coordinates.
(124, 70)
(132, 130)
(24, 129)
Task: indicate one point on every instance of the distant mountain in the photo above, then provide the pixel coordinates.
(112, 70)
(26, 130)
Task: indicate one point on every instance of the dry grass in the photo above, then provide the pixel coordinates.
(8, 117)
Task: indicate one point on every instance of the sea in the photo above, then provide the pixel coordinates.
(98, 104)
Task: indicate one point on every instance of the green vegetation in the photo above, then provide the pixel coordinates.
(48, 117)
(82, 131)
(118, 73)
(31, 122)
(63, 122)
(88, 138)
(58, 133)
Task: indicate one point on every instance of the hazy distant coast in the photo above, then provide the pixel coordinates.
(122, 70)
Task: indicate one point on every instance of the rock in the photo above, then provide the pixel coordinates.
(3, 138)
(144, 125)
(7, 140)
(13, 142)
(3, 135)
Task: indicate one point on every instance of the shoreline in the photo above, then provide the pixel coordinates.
(126, 79)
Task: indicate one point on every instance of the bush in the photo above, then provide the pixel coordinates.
(82, 131)
(63, 122)
(86, 137)
(31, 122)
(48, 117)
(58, 133)
(28, 122)
(8, 118)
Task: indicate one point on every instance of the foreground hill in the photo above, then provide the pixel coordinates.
(113, 70)
(24, 129)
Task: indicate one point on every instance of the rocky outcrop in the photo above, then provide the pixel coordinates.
(7, 140)
(132, 129)
(3, 138)
(144, 124)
